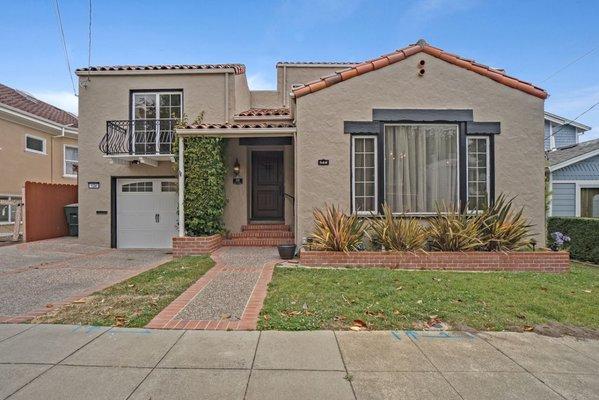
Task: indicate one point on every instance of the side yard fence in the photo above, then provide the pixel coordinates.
(44, 210)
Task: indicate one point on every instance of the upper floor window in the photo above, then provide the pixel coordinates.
(161, 105)
(421, 167)
(71, 161)
(35, 144)
(155, 116)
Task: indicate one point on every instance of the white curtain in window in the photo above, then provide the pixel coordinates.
(421, 167)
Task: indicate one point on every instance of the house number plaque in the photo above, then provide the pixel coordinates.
(323, 162)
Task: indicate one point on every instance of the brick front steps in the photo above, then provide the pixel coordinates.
(261, 235)
(538, 261)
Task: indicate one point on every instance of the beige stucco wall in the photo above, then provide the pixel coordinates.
(237, 211)
(519, 156)
(242, 96)
(288, 75)
(265, 99)
(107, 98)
(19, 165)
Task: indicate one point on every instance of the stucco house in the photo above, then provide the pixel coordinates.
(573, 168)
(413, 128)
(38, 142)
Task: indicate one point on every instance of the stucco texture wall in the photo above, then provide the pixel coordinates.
(519, 156)
(106, 98)
(19, 165)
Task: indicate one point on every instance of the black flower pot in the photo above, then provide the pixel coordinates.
(286, 251)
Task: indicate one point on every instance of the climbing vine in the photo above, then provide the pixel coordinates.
(205, 172)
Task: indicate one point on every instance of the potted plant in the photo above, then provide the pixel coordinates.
(286, 251)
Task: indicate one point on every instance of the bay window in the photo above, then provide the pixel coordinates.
(421, 167)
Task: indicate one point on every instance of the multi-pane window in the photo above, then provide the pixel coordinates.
(8, 211)
(478, 173)
(421, 167)
(364, 174)
(137, 187)
(156, 115)
(168, 186)
(35, 144)
(71, 160)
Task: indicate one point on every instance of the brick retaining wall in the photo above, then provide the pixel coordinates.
(194, 245)
(541, 261)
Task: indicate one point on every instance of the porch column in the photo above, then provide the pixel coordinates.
(181, 189)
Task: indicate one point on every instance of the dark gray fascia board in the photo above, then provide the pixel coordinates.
(361, 127)
(421, 115)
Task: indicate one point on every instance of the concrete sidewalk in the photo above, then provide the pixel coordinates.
(73, 362)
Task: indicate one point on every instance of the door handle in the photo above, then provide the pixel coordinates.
(157, 218)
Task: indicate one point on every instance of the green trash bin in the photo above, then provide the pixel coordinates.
(71, 211)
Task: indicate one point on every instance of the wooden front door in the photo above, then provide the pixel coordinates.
(267, 185)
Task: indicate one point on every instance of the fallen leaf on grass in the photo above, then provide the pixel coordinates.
(419, 302)
(587, 291)
(358, 325)
(80, 301)
(49, 305)
(528, 328)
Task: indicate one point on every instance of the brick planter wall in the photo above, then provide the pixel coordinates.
(194, 245)
(540, 261)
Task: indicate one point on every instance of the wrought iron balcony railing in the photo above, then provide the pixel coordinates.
(139, 137)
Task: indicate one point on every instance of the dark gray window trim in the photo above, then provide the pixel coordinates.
(483, 128)
(422, 115)
(361, 127)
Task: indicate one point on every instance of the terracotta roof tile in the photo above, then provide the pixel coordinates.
(25, 102)
(264, 112)
(402, 54)
(243, 126)
(317, 63)
(239, 68)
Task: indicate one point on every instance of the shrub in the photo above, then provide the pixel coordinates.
(500, 228)
(453, 231)
(336, 231)
(399, 234)
(584, 235)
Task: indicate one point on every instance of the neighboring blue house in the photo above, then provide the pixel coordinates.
(574, 168)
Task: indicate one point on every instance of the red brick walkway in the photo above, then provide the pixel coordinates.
(169, 319)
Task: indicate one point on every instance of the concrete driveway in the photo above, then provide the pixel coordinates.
(36, 277)
(74, 362)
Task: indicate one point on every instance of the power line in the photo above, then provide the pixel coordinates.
(569, 64)
(89, 36)
(64, 45)
(574, 120)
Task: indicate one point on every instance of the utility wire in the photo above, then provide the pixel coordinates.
(569, 64)
(64, 45)
(89, 36)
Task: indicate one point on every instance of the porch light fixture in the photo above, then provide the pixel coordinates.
(236, 167)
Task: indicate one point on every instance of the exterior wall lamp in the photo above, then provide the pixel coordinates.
(236, 167)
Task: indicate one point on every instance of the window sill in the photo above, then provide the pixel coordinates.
(41, 153)
(69, 176)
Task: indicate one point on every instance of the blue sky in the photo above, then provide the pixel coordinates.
(530, 39)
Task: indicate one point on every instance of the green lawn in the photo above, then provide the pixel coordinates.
(134, 302)
(305, 299)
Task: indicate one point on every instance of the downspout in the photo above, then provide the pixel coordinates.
(52, 153)
(181, 189)
(226, 97)
(284, 86)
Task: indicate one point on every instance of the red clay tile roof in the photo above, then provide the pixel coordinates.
(406, 52)
(265, 112)
(318, 62)
(243, 126)
(29, 104)
(239, 68)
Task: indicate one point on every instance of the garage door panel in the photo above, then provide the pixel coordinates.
(146, 215)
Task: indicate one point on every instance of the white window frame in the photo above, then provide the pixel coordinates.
(427, 213)
(353, 174)
(10, 197)
(157, 100)
(64, 160)
(488, 145)
(27, 149)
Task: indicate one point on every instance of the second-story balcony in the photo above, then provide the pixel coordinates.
(140, 137)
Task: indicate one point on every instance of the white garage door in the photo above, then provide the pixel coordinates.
(146, 213)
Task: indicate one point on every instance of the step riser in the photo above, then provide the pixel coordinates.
(262, 234)
(265, 228)
(256, 242)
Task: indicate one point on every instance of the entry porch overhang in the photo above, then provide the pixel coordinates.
(235, 131)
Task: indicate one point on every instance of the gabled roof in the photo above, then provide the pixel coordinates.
(565, 121)
(564, 156)
(401, 54)
(22, 101)
(239, 68)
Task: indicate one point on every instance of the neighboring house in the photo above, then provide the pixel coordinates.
(38, 142)
(573, 169)
(413, 128)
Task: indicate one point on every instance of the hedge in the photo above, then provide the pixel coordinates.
(584, 235)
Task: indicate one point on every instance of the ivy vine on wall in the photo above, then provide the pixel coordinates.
(205, 172)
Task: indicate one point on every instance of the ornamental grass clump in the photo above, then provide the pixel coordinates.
(450, 230)
(397, 234)
(336, 231)
(501, 228)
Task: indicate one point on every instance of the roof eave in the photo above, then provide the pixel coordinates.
(574, 160)
(35, 121)
(181, 71)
